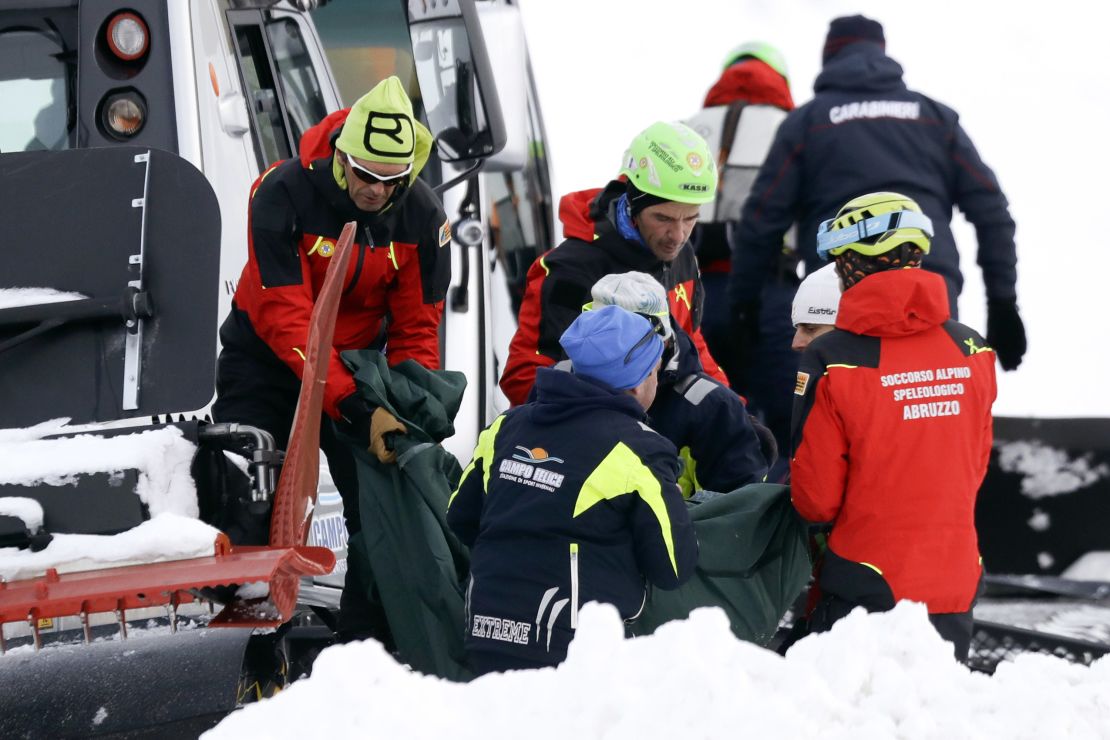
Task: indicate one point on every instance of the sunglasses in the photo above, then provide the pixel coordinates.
(655, 330)
(371, 178)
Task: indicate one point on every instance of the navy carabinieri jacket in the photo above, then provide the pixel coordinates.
(863, 132)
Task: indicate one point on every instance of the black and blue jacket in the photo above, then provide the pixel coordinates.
(865, 131)
(569, 499)
(708, 424)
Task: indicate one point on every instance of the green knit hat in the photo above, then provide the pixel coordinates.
(382, 128)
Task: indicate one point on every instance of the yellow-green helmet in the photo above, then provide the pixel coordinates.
(671, 161)
(762, 51)
(873, 224)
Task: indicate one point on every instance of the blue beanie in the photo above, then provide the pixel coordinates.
(602, 344)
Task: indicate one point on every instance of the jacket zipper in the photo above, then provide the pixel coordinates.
(361, 258)
(574, 585)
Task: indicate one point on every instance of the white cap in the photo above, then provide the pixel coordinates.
(818, 298)
(634, 291)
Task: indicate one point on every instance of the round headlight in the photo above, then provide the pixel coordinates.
(128, 37)
(124, 115)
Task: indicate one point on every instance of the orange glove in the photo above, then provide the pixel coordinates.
(382, 423)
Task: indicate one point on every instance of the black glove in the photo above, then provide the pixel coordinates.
(745, 326)
(768, 445)
(1006, 333)
(356, 416)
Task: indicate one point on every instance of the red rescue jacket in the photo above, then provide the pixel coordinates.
(395, 285)
(892, 433)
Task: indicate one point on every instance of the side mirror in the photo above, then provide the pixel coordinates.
(456, 80)
(509, 60)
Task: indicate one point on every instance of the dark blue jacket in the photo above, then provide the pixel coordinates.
(708, 424)
(569, 499)
(864, 131)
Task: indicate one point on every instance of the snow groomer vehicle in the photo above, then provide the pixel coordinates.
(131, 527)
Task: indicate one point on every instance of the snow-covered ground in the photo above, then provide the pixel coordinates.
(873, 676)
(1029, 81)
(1081, 620)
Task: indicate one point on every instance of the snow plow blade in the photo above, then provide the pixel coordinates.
(172, 583)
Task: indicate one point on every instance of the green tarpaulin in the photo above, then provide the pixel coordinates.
(754, 559)
(753, 563)
(418, 565)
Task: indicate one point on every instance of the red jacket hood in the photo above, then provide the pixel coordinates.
(582, 210)
(894, 303)
(752, 81)
(574, 212)
(316, 141)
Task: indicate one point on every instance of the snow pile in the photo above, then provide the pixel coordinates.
(38, 431)
(1091, 566)
(162, 457)
(1047, 470)
(873, 676)
(1084, 621)
(1079, 619)
(1039, 521)
(17, 297)
(165, 537)
(27, 509)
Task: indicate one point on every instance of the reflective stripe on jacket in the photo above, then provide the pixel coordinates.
(569, 499)
(400, 268)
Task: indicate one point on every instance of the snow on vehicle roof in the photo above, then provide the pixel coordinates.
(165, 537)
(872, 676)
(27, 509)
(1047, 471)
(16, 297)
(162, 457)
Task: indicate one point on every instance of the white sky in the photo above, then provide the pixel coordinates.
(878, 676)
(1031, 82)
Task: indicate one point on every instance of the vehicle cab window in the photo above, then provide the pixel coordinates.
(520, 211)
(36, 84)
(284, 95)
(303, 99)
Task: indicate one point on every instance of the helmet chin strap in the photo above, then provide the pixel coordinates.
(670, 352)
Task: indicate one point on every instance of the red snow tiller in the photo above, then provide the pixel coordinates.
(107, 601)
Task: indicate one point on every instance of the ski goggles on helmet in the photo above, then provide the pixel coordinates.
(657, 329)
(660, 323)
(835, 241)
(372, 178)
